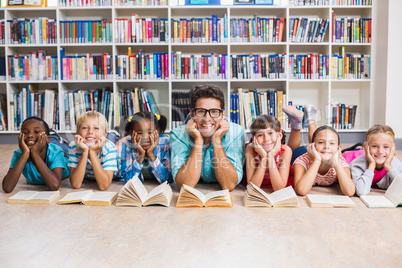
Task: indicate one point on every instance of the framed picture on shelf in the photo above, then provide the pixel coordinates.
(202, 2)
(264, 2)
(11, 3)
(243, 2)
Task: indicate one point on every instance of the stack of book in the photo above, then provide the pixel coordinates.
(131, 101)
(142, 66)
(211, 66)
(310, 30)
(180, 107)
(78, 102)
(86, 67)
(32, 31)
(84, 3)
(310, 66)
(254, 66)
(199, 30)
(86, 31)
(257, 29)
(246, 106)
(343, 116)
(32, 102)
(141, 30)
(35, 66)
(351, 30)
(350, 66)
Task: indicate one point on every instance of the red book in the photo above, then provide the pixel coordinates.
(186, 68)
(104, 65)
(93, 24)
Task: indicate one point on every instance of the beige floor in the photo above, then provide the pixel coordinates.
(84, 236)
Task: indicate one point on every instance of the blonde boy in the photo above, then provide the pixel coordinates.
(91, 155)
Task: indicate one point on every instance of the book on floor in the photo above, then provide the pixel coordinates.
(329, 201)
(134, 194)
(256, 197)
(391, 199)
(89, 198)
(191, 197)
(34, 197)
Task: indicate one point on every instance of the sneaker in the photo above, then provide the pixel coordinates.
(295, 116)
(310, 112)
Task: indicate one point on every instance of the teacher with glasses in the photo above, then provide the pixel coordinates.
(208, 147)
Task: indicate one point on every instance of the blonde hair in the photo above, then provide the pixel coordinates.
(380, 129)
(94, 115)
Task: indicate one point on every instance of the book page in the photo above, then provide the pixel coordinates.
(100, 196)
(48, 195)
(195, 192)
(341, 200)
(75, 197)
(139, 188)
(23, 195)
(377, 201)
(222, 193)
(157, 190)
(259, 190)
(394, 192)
(283, 194)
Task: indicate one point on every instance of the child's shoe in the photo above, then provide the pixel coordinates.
(295, 116)
(309, 112)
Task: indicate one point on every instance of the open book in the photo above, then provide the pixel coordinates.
(89, 198)
(329, 201)
(190, 197)
(391, 199)
(256, 197)
(34, 197)
(134, 194)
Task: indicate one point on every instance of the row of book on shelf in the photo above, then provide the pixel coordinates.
(39, 66)
(134, 194)
(351, 30)
(141, 30)
(310, 30)
(42, 30)
(93, 3)
(86, 31)
(257, 29)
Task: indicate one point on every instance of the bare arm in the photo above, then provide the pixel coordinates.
(13, 174)
(102, 177)
(77, 174)
(304, 179)
(343, 174)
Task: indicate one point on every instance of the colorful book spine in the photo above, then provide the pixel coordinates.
(351, 30)
(31, 31)
(2, 31)
(342, 116)
(86, 31)
(350, 66)
(309, 66)
(257, 29)
(141, 3)
(256, 66)
(308, 30)
(141, 30)
(85, 3)
(352, 2)
(87, 67)
(308, 2)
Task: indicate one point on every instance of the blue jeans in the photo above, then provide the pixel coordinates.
(298, 152)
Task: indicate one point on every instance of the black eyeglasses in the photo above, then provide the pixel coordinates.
(214, 113)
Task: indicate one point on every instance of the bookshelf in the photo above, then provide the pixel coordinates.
(319, 92)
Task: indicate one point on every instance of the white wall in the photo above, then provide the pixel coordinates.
(393, 109)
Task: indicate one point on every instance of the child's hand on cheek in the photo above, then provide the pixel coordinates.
(40, 144)
(99, 144)
(335, 159)
(79, 141)
(276, 148)
(154, 137)
(258, 148)
(312, 153)
(21, 143)
(136, 139)
(387, 163)
(369, 157)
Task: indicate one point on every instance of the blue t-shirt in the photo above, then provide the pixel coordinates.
(54, 159)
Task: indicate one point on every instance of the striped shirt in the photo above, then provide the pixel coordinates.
(130, 167)
(326, 179)
(107, 158)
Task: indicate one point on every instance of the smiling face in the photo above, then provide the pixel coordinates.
(326, 143)
(144, 129)
(91, 130)
(206, 124)
(32, 130)
(380, 145)
(267, 138)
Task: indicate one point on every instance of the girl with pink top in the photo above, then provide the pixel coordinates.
(323, 164)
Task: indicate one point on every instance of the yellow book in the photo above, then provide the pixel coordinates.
(279, 108)
(134, 194)
(34, 197)
(256, 197)
(241, 107)
(89, 198)
(191, 197)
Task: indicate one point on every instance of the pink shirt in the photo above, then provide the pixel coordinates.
(326, 179)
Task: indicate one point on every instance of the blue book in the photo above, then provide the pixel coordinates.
(79, 31)
(231, 107)
(87, 102)
(237, 111)
(152, 103)
(214, 28)
(29, 107)
(159, 65)
(256, 103)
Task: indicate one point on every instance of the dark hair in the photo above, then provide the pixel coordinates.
(206, 91)
(137, 117)
(322, 128)
(267, 121)
(47, 129)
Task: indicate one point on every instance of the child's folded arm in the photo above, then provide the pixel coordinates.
(14, 173)
(52, 178)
